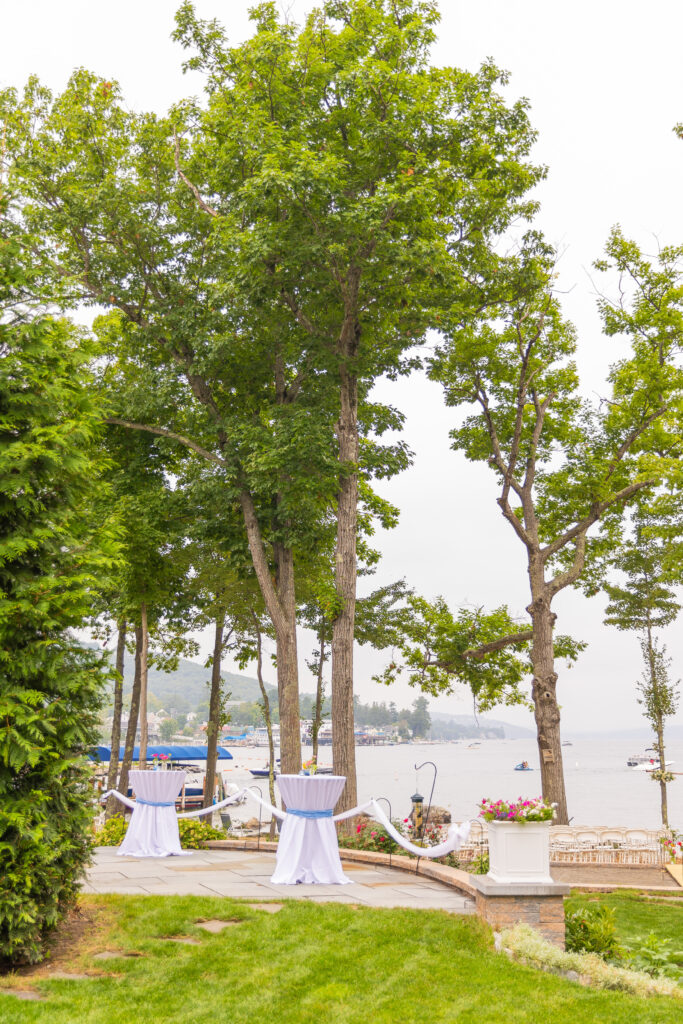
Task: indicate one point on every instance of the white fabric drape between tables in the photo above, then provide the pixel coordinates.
(153, 830)
(308, 850)
(456, 836)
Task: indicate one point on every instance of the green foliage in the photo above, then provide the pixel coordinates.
(654, 956)
(112, 832)
(194, 833)
(439, 650)
(659, 695)
(592, 929)
(54, 556)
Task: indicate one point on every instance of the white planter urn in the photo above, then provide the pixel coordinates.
(519, 852)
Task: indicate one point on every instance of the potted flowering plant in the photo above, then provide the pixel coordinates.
(160, 761)
(519, 840)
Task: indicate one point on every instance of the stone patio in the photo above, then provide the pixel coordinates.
(245, 875)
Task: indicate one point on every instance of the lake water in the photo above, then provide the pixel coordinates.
(601, 789)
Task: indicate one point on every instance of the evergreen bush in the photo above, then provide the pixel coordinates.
(50, 686)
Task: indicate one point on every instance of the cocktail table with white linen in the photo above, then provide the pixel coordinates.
(308, 850)
(153, 828)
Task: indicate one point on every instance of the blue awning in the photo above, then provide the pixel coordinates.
(174, 752)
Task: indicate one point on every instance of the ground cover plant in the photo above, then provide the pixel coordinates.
(636, 913)
(631, 929)
(305, 961)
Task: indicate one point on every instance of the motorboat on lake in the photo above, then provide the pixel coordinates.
(652, 765)
(637, 759)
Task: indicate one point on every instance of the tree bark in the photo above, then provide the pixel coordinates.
(213, 724)
(133, 716)
(658, 724)
(280, 602)
(143, 685)
(546, 708)
(319, 689)
(662, 767)
(112, 802)
(343, 745)
(269, 728)
(287, 663)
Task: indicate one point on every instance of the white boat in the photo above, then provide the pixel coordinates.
(651, 766)
(646, 758)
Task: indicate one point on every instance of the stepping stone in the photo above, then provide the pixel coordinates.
(185, 939)
(216, 926)
(65, 976)
(270, 908)
(110, 954)
(22, 994)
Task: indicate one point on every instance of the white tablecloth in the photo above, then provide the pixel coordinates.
(153, 829)
(308, 850)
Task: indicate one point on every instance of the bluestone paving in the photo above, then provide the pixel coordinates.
(245, 874)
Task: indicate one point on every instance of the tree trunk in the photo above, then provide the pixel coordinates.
(546, 709)
(287, 664)
(281, 607)
(143, 685)
(213, 725)
(662, 767)
(658, 724)
(133, 717)
(112, 802)
(269, 728)
(343, 746)
(319, 690)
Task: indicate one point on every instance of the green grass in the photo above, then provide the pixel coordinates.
(637, 915)
(322, 963)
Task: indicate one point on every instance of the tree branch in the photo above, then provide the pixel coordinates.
(596, 511)
(163, 432)
(193, 188)
(497, 645)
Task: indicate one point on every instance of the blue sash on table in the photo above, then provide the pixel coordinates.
(310, 814)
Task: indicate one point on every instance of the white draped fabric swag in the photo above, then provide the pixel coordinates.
(456, 836)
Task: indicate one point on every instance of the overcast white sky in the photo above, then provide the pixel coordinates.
(605, 82)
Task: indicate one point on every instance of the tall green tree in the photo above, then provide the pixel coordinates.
(563, 464)
(644, 601)
(54, 556)
(360, 175)
(271, 254)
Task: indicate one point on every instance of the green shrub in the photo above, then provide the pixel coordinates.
(194, 833)
(655, 957)
(112, 832)
(51, 562)
(592, 930)
(370, 836)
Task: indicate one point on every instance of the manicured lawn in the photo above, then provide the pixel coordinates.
(637, 914)
(317, 963)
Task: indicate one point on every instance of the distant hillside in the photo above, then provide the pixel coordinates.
(187, 687)
(481, 725)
